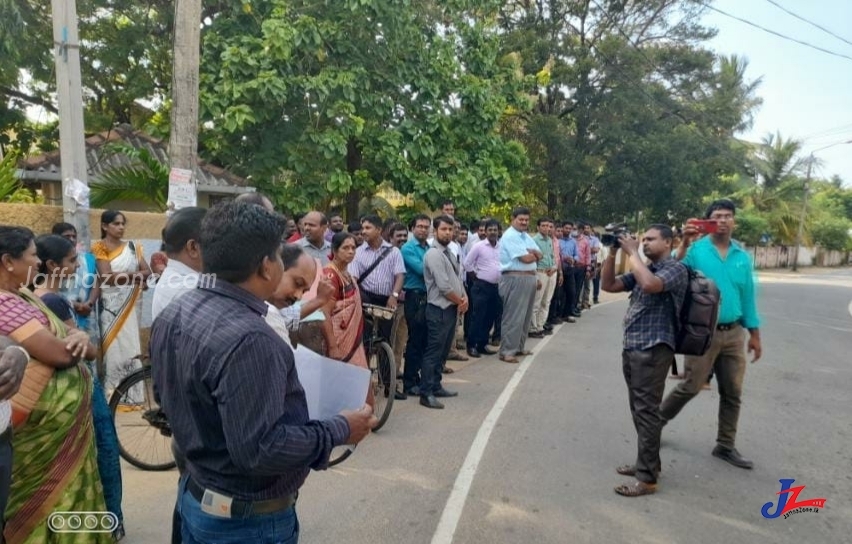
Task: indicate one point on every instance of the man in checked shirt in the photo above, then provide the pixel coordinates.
(656, 295)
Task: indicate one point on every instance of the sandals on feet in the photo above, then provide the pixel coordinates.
(636, 489)
(629, 470)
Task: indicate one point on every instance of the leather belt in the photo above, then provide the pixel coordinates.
(243, 509)
(518, 272)
(727, 326)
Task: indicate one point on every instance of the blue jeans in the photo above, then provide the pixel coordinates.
(199, 527)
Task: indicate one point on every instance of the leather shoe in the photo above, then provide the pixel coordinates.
(413, 392)
(547, 327)
(485, 350)
(536, 335)
(473, 352)
(399, 395)
(570, 319)
(429, 401)
(733, 457)
(446, 393)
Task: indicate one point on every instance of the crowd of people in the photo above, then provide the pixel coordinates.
(237, 286)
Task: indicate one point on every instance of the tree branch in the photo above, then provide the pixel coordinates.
(35, 100)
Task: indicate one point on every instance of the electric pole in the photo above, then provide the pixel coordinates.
(801, 230)
(183, 140)
(72, 145)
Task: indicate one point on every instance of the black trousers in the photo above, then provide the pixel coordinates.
(486, 303)
(645, 374)
(441, 331)
(415, 348)
(569, 290)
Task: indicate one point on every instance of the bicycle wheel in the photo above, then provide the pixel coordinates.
(340, 454)
(144, 435)
(383, 380)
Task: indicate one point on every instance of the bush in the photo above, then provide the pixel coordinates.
(750, 227)
(832, 233)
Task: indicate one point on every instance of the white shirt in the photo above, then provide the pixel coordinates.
(176, 280)
(5, 415)
(278, 322)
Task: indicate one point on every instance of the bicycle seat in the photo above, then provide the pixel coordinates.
(379, 312)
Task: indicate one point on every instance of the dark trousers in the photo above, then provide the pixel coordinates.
(468, 315)
(727, 356)
(415, 348)
(579, 285)
(556, 303)
(485, 301)
(5, 474)
(440, 333)
(596, 283)
(571, 283)
(386, 326)
(645, 374)
(497, 333)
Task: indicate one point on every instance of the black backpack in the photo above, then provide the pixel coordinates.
(699, 315)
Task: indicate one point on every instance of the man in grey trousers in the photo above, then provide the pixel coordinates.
(518, 257)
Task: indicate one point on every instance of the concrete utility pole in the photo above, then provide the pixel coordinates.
(72, 145)
(183, 140)
(801, 230)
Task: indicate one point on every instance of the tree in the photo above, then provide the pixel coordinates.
(631, 112)
(331, 99)
(144, 179)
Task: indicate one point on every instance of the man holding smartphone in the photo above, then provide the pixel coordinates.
(725, 262)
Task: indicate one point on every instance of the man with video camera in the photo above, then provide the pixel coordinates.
(650, 327)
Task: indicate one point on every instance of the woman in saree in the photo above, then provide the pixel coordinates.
(59, 258)
(123, 273)
(54, 468)
(344, 314)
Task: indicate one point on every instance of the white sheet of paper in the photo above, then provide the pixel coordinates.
(330, 385)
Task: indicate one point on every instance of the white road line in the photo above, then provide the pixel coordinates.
(850, 307)
(461, 488)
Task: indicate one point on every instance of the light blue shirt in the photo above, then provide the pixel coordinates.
(568, 248)
(514, 245)
(734, 277)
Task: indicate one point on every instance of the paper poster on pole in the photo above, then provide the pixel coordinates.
(182, 190)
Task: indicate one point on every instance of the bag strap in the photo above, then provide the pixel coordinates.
(373, 266)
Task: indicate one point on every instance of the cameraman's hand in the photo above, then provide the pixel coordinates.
(360, 423)
(690, 232)
(628, 244)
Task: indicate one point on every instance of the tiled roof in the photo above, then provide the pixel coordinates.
(99, 161)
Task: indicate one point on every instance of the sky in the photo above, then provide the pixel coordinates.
(807, 94)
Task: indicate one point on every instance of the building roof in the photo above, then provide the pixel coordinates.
(210, 178)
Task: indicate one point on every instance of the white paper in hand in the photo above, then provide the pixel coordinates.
(330, 385)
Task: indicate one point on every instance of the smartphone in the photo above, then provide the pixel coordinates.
(706, 226)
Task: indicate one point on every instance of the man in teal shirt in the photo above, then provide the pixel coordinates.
(726, 263)
(546, 274)
(413, 255)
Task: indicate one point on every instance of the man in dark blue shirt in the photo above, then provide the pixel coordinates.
(228, 385)
(650, 329)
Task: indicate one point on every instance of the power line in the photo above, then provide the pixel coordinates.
(827, 31)
(773, 32)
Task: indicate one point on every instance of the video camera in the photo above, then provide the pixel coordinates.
(613, 231)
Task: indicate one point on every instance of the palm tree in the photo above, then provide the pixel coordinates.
(734, 88)
(144, 178)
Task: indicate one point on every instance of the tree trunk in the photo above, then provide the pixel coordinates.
(354, 158)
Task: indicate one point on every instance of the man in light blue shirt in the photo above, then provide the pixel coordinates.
(730, 267)
(519, 255)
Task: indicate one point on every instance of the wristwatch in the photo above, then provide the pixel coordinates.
(395, 294)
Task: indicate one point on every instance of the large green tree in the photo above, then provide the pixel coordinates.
(632, 112)
(322, 101)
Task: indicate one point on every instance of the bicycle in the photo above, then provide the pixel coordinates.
(382, 366)
(144, 434)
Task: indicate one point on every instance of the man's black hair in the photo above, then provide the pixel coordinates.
(236, 237)
(374, 220)
(183, 226)
(443, 219)
(567, 223)
(520, 210)
(419, 217)
(666, 232)
(721, 204)
(62, 228)
(290, 254)
(475, 224)
(354, 226)
(492, 223)
(543, 220)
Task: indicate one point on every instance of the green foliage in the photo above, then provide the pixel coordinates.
(9, 182)
(144, 179)
(750, 227)
(365, 92)
(832, 233)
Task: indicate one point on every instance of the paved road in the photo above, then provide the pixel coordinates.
(546, 471)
